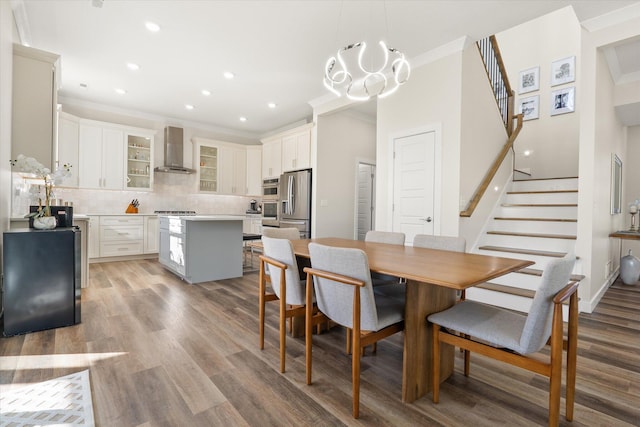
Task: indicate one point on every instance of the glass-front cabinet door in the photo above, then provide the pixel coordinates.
(139, 162)
(208, 157)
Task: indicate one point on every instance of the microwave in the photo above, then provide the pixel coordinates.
(270, 189)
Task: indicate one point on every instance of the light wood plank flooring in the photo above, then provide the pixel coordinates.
(165, 353)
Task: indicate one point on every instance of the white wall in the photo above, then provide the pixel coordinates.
(538, 43)
(342, 140)
(631, 186)
(600, 135)
(431, 97)
(6, 73)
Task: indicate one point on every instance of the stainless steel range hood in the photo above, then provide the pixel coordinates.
(173, 151)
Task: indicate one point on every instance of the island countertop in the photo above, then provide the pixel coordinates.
(208, 217)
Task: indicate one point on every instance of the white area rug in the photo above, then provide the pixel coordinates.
(64, 401)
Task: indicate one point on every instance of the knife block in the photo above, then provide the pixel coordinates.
(131, 209)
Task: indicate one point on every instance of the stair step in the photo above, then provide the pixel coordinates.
(507, 289)
(502, 218)
(523, 251)
(542, 192)
(545, 179)
(536, 272)
(544, 236)
(540, 205)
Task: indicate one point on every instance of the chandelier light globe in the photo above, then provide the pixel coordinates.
(346, 73)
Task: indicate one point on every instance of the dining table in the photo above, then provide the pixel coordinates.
(433, 278)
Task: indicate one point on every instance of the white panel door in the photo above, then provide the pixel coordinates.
(413, 185)
(366, 191)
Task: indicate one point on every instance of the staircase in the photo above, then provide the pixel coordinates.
(537, 221)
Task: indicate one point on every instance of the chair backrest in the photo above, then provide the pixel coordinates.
(281, 233)
(335, 299)
(391, 237)
(445, 243)
(537, 328)
(282, 250)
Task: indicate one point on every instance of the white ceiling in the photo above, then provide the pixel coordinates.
(277, 49)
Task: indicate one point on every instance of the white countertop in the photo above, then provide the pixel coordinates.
(208, 217)
(79, 217)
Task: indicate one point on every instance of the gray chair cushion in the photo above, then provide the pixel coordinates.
(502, 328)
(281, 250)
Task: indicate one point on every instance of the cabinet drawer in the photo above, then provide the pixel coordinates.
(108, 249)
(123, 232)
(121, 220)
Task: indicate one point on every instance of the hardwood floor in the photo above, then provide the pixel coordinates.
(165, 353)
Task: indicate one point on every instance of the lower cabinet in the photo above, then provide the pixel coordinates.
(122, 236)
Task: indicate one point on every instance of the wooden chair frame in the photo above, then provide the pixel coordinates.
(360, 338)
(551, 368)
(286, 310)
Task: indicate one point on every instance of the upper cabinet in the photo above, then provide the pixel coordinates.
(208, 170)
(272, 158)
(254, 170)
(113, 157)
(233, 170)
(35, 97)
(290, 150)
(68, 138)
(139, 160)
(296, 150)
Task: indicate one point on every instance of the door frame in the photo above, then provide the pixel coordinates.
(360, 161)
(437, 183)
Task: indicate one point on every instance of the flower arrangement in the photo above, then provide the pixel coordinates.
(31, 165)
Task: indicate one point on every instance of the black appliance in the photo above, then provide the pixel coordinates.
(41, 287)
(63, 214)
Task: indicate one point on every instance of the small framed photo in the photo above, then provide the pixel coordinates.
(563, 101)
(529, 107)
(563, 71)
(529, 80)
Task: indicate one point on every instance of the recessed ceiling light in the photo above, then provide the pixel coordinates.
(152, 26)
(132, 66)
(527, 153)
(120, 91)
(228, 75)
(272, 105)
(205, 92)
(243, 119)
(189, 106)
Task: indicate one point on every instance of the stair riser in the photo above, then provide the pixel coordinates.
(546, 185)
(542, 198)
(532, 243)
(547, 227)
(512, 302)
(519, 281)
(567, 212)
(540, 261)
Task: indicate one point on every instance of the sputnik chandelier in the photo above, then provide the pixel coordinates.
(344, 74)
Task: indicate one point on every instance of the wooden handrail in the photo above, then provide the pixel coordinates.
(503, 70)
(491, 173)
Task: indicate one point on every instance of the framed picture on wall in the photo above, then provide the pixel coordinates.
(563, 101)
(529, 80)
(616, 184)
(529, 107)
(563, 71)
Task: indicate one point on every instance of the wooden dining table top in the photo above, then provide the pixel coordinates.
(456, 270)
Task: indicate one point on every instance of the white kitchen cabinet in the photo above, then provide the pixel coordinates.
(208, 169)
(151, 234)
(94, 236)
(254, 171)
(121, 235)
(272, 158)
(252, 224)
(233, 170)
(34, 103)
(139, 154)
(296, 150)
(101, 157)
(68, 138)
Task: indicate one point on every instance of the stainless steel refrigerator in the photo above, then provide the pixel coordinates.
(41, 279)
(295, 201)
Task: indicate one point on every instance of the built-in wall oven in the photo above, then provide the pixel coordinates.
(270, 203)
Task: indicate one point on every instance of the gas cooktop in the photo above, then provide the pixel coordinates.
(175, 212)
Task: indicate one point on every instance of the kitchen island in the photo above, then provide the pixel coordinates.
(201, 248)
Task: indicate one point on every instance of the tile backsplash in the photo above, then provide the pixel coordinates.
(170, 192)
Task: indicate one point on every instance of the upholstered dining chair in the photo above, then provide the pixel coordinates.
(281, 233)
(512, 337)
(280, 261)
(344, 294)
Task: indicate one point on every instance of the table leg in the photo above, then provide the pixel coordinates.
(422, 300)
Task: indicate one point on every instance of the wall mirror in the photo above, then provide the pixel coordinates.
(616, 184)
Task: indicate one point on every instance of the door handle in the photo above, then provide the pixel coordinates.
(428, 219)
